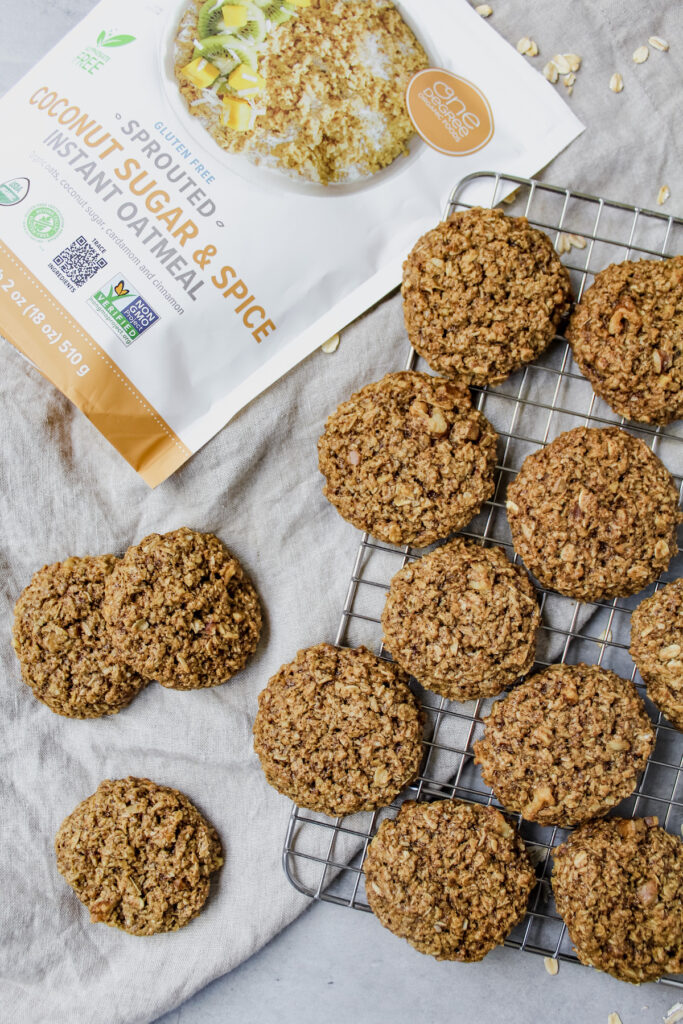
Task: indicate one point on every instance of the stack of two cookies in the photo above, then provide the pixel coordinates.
(89, 634)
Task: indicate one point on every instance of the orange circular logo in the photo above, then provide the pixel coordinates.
(450, 113)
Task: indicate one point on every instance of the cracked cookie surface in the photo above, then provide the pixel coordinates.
(594, 514)
(181, 610)
(64, 645)
(139, 856)
(618, 886)
(483, 294)
(451, 878)
(657, 648)
(463, 620)
(338, 730)
(566, 745)
(627, 337)
(408, 459)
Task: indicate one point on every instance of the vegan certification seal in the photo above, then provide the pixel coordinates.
(43, 222)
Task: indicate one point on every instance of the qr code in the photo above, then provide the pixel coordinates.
(79, 262)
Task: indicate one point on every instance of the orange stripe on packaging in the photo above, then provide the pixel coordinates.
(37, 325)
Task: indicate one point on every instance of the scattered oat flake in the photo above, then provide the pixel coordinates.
(674, 1014)
(578, 241)
(550, 71)
(663, 195)
(527, 46)
(561, 63)
(614, 1018)
(569, 79)
(658, 43)
(563, 244)
(616, 82)
(551, 964)
(640, 55)
(332, 344)
(484, 10)
(511, 198)
(573, 60)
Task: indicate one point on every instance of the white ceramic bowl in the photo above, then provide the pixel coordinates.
(268, 177)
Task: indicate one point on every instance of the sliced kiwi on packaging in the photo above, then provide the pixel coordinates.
(276, 12)
(229, 49)
(210, 22)
(210, 18)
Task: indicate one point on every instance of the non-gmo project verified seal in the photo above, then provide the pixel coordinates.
(124, 309)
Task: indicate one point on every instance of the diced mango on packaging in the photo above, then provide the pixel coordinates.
(235, 15)
(201, 73)
(243, 79)
(237, 114)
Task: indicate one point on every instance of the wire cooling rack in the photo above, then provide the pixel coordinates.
(322, 857)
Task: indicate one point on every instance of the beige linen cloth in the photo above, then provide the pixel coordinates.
(64, 491)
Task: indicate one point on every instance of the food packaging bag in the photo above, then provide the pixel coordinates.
(161, 280)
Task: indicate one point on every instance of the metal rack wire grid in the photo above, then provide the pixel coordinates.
(323, 857)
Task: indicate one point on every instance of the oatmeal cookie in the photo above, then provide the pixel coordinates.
(63, 643)
(594, 514)
(462, 620)
(451, 878)
(139, 856)
(482, 295)
(181, 610)
(330, 105)
(657, 649)
(566, 745)
(408, 459)
(618, 885)
(339, 730)
(627, 337)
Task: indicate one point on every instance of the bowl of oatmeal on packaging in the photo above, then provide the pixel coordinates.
(309, 92)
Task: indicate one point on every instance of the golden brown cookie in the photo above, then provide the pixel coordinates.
(594, 514)
(483, 294)
(627, 337)
(63, 643)
(338, 730)
(462, 620)
(657, 648)
(139, 856)
(618, 885)
(451, 878)
(566, 745)
(408, 459)
(330, 104)
(181, 610)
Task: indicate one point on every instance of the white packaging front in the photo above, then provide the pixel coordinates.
(161, 268)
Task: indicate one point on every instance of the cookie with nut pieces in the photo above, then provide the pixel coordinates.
(338, 730)
(594, 514)
(566, 745)
(618, 886)
(463, 620)
(657, 648)
(450, 877)
(483, 294)
(627, 337)
(408, 459)
(139, 856)
(181, 610)
(64, 645)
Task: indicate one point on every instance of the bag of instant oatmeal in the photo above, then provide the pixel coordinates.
(196, 194)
